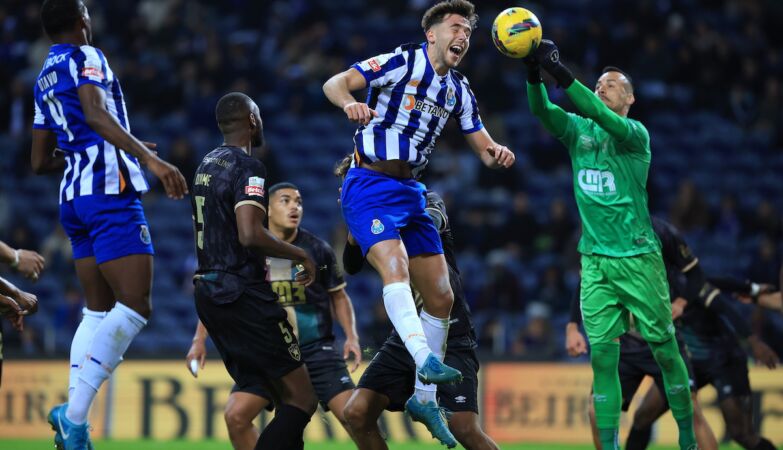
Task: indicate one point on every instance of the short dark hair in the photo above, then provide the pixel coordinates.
(282, 185)
(59, 16)
(439, 11)
(617, 69)
(230, 109)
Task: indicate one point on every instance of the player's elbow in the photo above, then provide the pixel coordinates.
(38, 165)
(247, 238)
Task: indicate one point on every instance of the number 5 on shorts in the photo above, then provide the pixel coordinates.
(286, 334)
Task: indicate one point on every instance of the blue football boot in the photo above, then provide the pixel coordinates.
(433, 417)
(434, 371)
(67, 435)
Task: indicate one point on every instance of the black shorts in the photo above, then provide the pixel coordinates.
(327, 370)
(392, 373)
(726, 371)
(253, 337)
(634, 366)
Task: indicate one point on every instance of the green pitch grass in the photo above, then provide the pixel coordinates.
(223, 445)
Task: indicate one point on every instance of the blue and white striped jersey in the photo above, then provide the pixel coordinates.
(93, 165)
(413, 105)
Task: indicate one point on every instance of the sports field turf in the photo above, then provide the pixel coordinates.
(223, 445)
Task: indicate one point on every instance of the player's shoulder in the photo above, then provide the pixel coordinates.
(638, 128)
(459, 77)
(313, 242)
(89, 54)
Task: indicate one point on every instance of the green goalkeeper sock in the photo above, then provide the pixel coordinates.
(605, 357)
(675, 381)
(609, 438)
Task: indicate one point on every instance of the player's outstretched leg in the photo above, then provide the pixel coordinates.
(652, 407)
(675, 379)
(466, 428)
(390, 259)
(130, 278)
(361, 413)
(738, 414)
(99, 300)
(241, 409)
(297, 405)
(605, 358)
(430, 276)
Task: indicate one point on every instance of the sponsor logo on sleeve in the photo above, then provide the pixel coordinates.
(92, 72)
(255, 186)
(374, 65)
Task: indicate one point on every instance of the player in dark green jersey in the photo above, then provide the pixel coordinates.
(310, 315)
(622, 267)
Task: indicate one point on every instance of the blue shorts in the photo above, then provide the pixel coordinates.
(106, 226)
(378, 207)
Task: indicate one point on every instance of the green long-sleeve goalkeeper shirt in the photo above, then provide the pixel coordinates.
(610, 157)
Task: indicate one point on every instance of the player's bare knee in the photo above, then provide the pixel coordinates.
(354, 413)
(236, 420)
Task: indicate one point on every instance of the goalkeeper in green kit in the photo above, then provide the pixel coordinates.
(622, 268)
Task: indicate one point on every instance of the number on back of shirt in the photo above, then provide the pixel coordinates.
(56, 110)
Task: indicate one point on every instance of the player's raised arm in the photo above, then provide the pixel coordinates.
(338, 90)
(552, 117)
(93, 101)
(610, 102)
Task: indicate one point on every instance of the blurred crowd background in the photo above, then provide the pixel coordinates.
(708, 87)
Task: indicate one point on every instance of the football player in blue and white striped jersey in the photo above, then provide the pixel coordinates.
(413, 91)
(80, 110)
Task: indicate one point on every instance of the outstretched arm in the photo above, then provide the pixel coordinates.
(589, 105)
(593, 108)
(552, 117)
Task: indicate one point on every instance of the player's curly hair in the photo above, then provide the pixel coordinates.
(59, 16)
(342, 166)
(439, 11)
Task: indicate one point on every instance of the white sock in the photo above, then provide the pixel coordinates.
(437, 331)
(110, 341)
(398, 300)
(81, 342)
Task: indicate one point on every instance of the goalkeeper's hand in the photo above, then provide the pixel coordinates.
(533, 68)
(547, 55)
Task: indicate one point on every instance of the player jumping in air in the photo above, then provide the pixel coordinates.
(234, 300)
(622, 267)
(309, 311)
(80, 110)
(384, 383)
(413, 91)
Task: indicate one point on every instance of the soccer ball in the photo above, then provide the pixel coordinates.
(516, 32)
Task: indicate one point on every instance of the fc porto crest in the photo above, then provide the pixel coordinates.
(144, 235)
(377, 227)
(451, 98)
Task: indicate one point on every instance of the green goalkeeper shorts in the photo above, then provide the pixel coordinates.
(613, 288)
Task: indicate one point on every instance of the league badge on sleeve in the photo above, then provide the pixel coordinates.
(255, 186)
